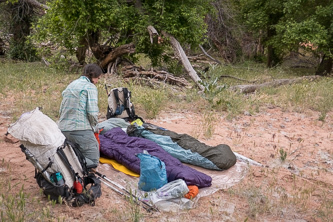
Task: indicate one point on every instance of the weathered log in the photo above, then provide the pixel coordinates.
(162, 76)
(252, 88)
(233, 77)
(144, 81)
(117, 52)
(180, 54)
(152, 33)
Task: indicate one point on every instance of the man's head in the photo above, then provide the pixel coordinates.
(93, 72)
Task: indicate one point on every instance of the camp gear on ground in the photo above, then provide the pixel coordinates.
(171, 190)
(170, 197)
(58, 163)
(88, 145)
(247, 160)
(31, 158)
(57, 179)
(112, 123)
(152, 172)
(118, 166)
(221, 155)
(185, 156)
(193, 192)
(117, 145)
(119, 104)
(137, 122)
(121, 190)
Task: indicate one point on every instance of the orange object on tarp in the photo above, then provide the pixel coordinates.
(97, 138)
(118, 166)
(194, 190)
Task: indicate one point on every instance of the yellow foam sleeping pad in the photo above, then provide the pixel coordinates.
(118, 166)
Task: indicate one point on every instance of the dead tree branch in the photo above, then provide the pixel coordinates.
(117, 52)
(37, 4)
(152, 33)
(204, 52)
(180, 54)
(136, 72)
(233, 77)
(252, 88)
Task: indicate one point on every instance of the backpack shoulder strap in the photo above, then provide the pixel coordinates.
(115, 92)
(126, 98)
(127, 104)
(79, 155)
(63, 157)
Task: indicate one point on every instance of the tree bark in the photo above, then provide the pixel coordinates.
(272, 57)
(117, 52)
(93, 42)
(152, 33)
(81, 51)
(2, 47)
(180, 54)
(37, 4)
(325, 66)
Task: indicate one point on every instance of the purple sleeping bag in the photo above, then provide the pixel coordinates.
(117, 145)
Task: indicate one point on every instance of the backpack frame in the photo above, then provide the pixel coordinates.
(60, 167)
(120, 105)
(67, 191)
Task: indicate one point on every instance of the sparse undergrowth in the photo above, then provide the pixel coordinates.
(28, 85)
(270, 198)
(16, 205)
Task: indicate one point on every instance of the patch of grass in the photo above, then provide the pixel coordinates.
(268, 196)
(283, 155)
(152, 101)
(16, 205)
(31, 85)
(209, 124)
(135, 209)
(325, 212)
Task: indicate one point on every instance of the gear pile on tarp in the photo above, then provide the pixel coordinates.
(201, 168)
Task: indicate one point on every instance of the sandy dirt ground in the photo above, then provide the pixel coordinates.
(298, 188)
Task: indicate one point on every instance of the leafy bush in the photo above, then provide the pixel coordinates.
(23, 51)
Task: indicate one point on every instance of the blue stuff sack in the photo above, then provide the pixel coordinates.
(152, 172)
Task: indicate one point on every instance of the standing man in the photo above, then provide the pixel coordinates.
(79, 113)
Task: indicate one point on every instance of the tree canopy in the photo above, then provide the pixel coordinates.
(114, 28)
(288, 25)
(106, 24)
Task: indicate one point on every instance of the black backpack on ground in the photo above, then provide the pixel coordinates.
(60, 168)
(86, 186)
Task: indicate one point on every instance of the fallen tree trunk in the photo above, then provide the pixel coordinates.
(117, 52)
(179, 52)
(136, 72)
(252, 88)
